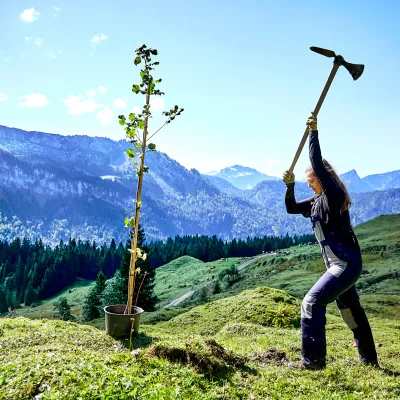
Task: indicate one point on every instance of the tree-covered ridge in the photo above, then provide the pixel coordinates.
(31, 271)
(207, 248)
(34, 271)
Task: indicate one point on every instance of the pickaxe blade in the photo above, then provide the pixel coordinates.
(324, 52)
(355, 70)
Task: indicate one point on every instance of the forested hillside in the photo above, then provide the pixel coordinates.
(34, 271)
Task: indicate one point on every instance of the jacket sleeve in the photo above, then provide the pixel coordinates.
(330, 187)
(325, 178)
(294, 207)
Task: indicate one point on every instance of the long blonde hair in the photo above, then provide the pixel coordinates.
(347, 201)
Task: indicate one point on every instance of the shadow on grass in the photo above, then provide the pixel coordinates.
(389, 372)
(139, 341)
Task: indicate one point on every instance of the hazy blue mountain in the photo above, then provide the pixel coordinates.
(370, 183)
(224, 186)
(58, 187)
(388, 180)
(354, 183)
(242, 177)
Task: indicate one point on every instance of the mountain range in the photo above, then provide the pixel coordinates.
(55, 187)
(245, 178)
(242, 177)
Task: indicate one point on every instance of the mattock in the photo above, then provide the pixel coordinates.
(355, 70)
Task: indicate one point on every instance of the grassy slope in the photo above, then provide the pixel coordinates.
(67, 360)
(185, 274)
(64, 360)
(75, 295)
(379, 286)
(296, 273)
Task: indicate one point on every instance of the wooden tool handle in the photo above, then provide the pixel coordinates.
(316, 111)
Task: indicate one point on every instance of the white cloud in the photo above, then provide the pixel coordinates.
(56, 11)
(38, 42)
(95, 40)
(3, 97)
(29, 15)
(33, 100)
(51, 55)
(157, 104)
(78, 105)
(119, 103)
(105, 116)
(102, 89)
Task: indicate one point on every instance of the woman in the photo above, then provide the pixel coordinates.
(329, 213)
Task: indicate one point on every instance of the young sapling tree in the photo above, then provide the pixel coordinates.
(136, 127)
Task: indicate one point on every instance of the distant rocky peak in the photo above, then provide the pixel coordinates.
(241, 177)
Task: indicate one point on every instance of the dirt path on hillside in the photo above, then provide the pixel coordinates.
(180, 299)
(189, 294)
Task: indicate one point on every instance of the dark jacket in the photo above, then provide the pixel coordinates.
(331, 226)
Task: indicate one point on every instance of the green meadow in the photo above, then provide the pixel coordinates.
(229, 345)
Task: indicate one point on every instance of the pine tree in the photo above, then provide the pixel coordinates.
(116, 291)
(3, 301)
(63, 309)
(14, 303)
(217, 287)
(30, 294)
(92, 305)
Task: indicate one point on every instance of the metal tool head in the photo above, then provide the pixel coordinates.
(355, 70)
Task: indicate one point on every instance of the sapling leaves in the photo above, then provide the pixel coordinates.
(129, 222)
(136, 128)
(132, 134)
(152, 86)
(122, 120)
(131, 153)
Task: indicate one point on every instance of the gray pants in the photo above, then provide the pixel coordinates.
(336, 284)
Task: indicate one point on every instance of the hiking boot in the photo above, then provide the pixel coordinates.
(301, 365)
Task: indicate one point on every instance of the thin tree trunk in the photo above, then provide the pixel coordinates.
(131, 282)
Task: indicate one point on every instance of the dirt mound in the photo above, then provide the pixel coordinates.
(212, 360)
(271, 356)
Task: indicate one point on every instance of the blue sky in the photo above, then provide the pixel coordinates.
(242, 70)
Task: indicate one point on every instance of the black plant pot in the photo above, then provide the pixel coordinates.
(118, 324)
